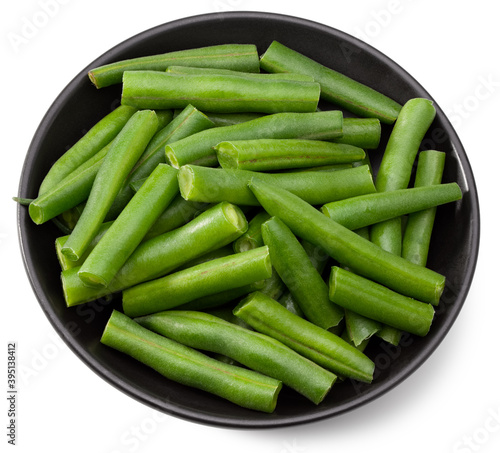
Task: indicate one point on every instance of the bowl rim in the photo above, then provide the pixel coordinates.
(135, 391)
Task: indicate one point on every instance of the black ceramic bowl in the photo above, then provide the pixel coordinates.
(454, 245)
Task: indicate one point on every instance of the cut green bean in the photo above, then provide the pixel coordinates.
(397, 162)
(360, 328)
(23, 201)
(217, 93)
(390, 334)
(61, 240)
(418, 231)
(183, 364)
(253, 236)
(238, 57)
(128, 230)
(223, 298)
(254, 350)
(71, 216)
(225, 313)
(178, 213)
(318, 258)
(198, 149)
(212, 185)
(361, 347)
(212, 255)
(365, 210)
(230, 119)
(347, 247)
(301, 278)
(323, 168)
(68, 193)
(204, 279)
(362, 132)
(212, 229)
(191, 70)
(92, 142)
(322, 347)
(127, 147)
(282, 154)
(335, 87)
(377, 302)
(188, 122)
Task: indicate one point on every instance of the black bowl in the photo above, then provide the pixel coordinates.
(453, 252)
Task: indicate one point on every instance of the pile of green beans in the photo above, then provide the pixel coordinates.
(233, 217)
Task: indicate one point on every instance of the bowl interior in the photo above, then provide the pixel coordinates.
(454, 245)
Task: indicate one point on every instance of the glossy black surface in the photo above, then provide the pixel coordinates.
(454, 245)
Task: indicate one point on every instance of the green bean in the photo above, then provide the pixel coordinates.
(182, 364)
(217, 93)
(360, 328)
(212, 229)
(225, 313)
(335, 87)
(92, 142)
(252, 238)
(281, 154)
(164, 117)
(379, 303)
(23, 201)
(418, 231)
(136, 184)
(71, 216)
(230, 119)
(364, 210)
(389, 334)
(318, 258)
(254, 350)
(204, 279)
(74, 189)
(223, 298)
(397, 162)
(211, 255)
(178, 213)
(128, 230)
(347, 247)
(361, 347)
(299, 275)
(212, 185)
(128, 145)
(190, 70)
(189, 121)
(239, 57)
(61, 240)
(322, 347)
(272, 286)
(361, 132)
(68, 193)
(323, 168)
(198, 148)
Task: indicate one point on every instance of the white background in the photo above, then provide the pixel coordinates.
(451, 404)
